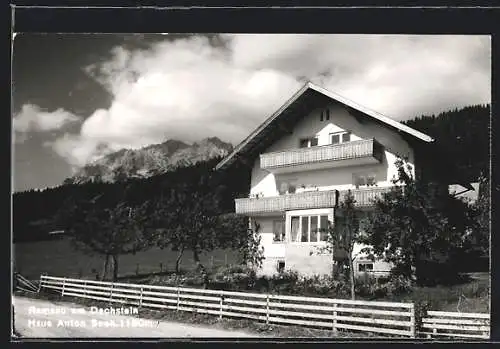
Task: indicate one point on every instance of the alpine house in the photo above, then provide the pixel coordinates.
(303, 159)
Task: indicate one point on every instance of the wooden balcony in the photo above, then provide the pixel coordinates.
(364, 197)
(282, 203)
(353, 153)
(304, 201)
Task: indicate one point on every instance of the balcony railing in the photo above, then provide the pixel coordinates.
(368, 148)
(365, 197)
(306, 200)
(282, 203)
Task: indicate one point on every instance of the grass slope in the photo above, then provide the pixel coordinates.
(59, 258)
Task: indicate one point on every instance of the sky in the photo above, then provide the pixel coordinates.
(77, 97)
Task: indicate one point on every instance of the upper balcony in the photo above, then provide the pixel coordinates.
(366, 151)
(305, 200)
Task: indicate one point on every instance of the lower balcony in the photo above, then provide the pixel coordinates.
(304, 201)
(282, 203)
(365, 197)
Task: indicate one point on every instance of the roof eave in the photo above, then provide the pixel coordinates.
(309, 85)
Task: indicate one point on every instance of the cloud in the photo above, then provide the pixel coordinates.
(32, 119)
(191, 88)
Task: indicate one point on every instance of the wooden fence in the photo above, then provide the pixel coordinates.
(383, 318)
(454, 324)
(23, 284)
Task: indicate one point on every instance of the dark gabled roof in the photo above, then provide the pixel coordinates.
(310, 95)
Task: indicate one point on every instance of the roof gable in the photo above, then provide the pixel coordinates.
(289, 113)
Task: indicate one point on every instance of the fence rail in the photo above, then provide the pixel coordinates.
(23, 284)
(454, 324)
(386, 318)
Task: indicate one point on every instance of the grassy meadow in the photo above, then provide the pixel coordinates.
(59, 258)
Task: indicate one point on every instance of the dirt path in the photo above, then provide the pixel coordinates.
(36, 318)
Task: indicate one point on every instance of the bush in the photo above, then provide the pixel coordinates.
(370, 287)
(285, 282)
(233, 277)
(398, 285)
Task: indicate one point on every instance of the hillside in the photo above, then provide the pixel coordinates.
(150, 160)
(463, 136)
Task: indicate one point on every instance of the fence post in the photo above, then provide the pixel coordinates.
(40, 284)
(140, 298)
(412, 321)
(221, 304)
(64, 282)
(111, 292)
(178, 297)
(334, 325)
(85, 287)
(267, 309)
(225, 259)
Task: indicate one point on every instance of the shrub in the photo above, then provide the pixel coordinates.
(398, 285)
(194, 280)
(233, 277)
(316, 284)
(340, 289)
(368, 287)
(373, 288)
(285, 282)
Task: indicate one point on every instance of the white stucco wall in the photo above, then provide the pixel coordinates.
(298, 256)
(340, 178)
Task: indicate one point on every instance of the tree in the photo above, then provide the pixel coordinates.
(414, 224)
(478, 238)
(342, 235)
(235, 232)
(107, 230)
(185, 217)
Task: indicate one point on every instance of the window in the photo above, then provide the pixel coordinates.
(365, 267)
(364, 179)
(325, 114)
(294, 231)
(346, 137)
(287, 186)
(308, 142)
(323, 223)
(279, 231)
(312, 228)
(340, 137)
(335, 139)
(280, 266)
(305, 229)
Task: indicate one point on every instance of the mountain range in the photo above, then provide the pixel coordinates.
(150, 160)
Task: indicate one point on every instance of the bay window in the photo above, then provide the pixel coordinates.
(308, 228)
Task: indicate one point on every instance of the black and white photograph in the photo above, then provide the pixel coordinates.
(174, 186)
